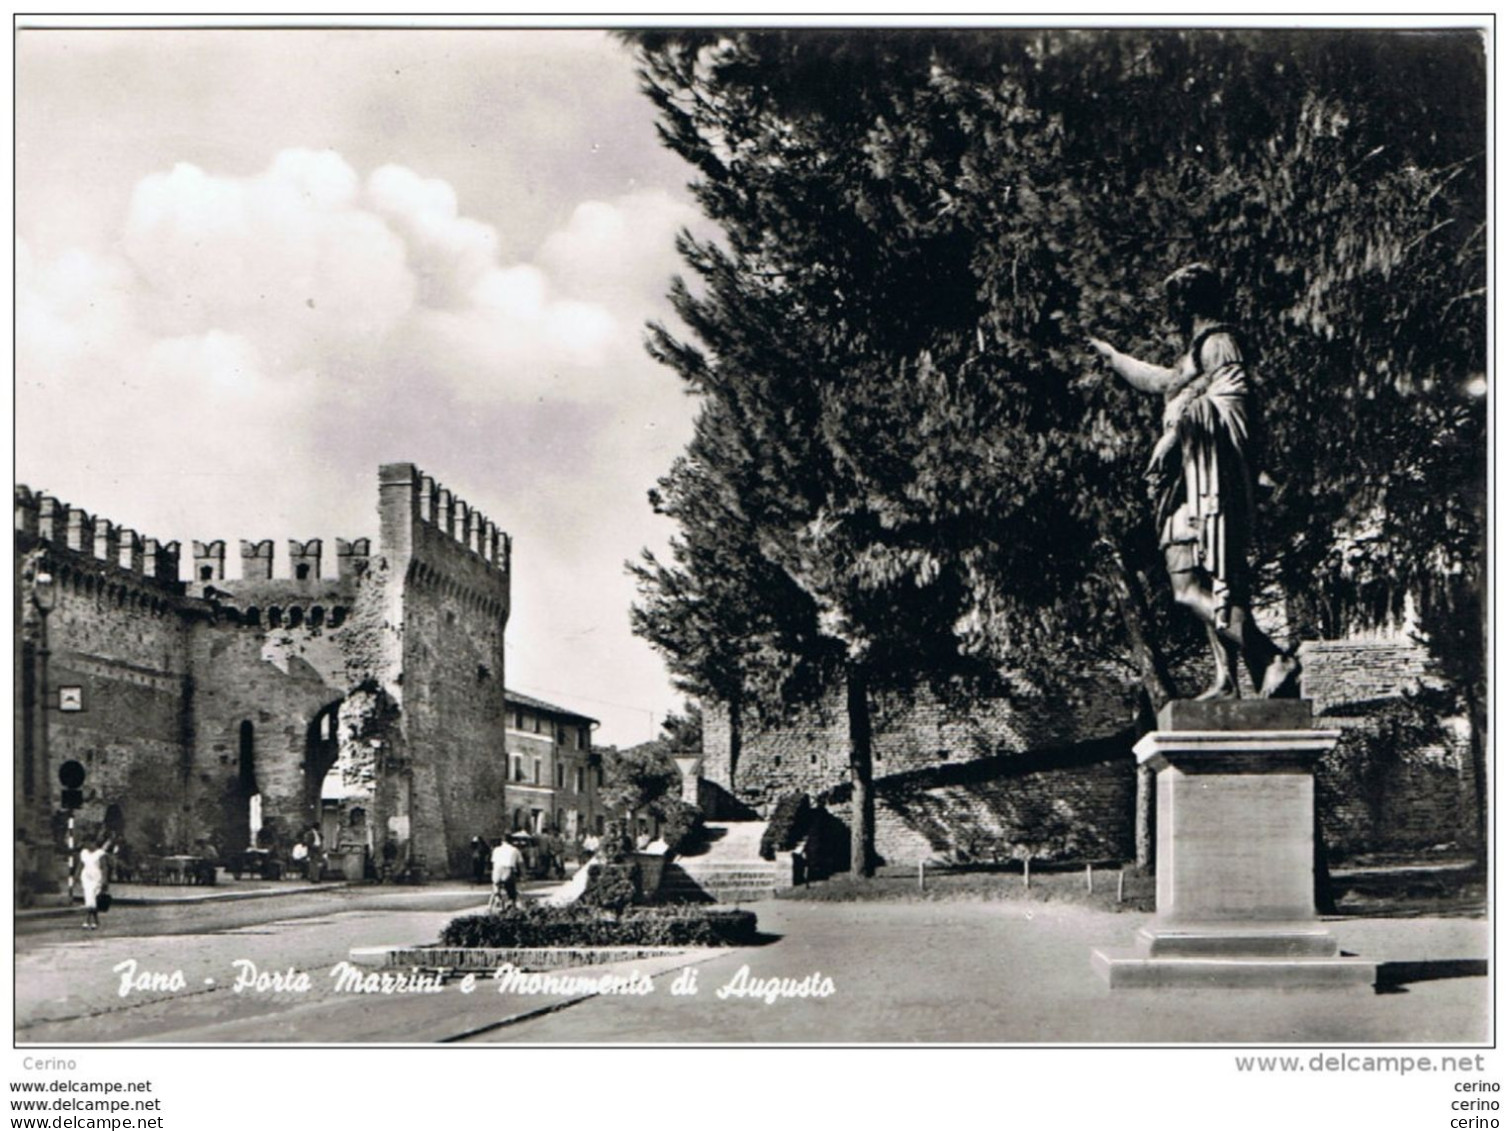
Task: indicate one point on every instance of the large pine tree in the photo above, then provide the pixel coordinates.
(903, 444)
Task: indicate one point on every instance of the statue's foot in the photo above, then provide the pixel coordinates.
(1223, 688)
(1281, 680)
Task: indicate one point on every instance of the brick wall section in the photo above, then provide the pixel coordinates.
(810, 752)
(1338, 672)
(1084, 811)
(1060, 813)
(119, 637)
(1421, 802)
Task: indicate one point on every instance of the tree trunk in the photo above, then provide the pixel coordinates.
(861, 772)
(1477, 772)
(1131, 598)
(1146, 819)
(1157, 688)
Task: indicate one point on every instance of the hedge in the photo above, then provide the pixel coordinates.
(541, 925)
(788, 825)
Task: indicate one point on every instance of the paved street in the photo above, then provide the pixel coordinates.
(901, 972)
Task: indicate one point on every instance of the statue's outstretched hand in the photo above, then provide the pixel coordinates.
(1102, 347)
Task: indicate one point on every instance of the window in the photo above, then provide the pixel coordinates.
(518, 768)
(560, 777)
(534, 723)
(560, 735)
(582, 741)
(301, 571)
(536, 771)
(581, 779)
(518, 819)
(518, 720)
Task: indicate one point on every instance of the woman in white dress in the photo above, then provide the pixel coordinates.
(93, 877)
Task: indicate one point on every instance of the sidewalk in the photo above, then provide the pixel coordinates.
(158, 895)
(167, 895)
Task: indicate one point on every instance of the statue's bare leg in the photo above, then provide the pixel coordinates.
(1192, 590)
(1226, 684)
(1274, 673)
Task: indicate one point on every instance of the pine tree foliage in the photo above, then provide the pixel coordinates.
(906, 467)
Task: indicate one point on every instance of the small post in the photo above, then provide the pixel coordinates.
(72, 858)
(921, 878)
(1089, 880)
(1121, 879)
(1026, 871)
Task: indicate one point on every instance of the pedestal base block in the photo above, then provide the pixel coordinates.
(1233, 956)
(1130, 969)
(1205, 940)
(1236, 850)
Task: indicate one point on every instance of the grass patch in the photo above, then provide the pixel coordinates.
(1435, 888)
(1431, 886)
(984, 884)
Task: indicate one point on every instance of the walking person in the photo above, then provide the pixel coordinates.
(507, 862)
(94, 878)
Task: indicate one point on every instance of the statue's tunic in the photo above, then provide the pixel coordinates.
(1201, 468)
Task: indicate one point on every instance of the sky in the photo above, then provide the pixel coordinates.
(253, 265)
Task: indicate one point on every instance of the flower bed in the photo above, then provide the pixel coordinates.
(535, 925)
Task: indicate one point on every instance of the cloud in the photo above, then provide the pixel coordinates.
(307, 268)
(618, 248)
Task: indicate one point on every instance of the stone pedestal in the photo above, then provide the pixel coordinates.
(690, 766)
(1236, 853)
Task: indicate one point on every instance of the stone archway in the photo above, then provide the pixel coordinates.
(322, 748)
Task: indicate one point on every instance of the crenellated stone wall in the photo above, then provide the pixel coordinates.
(198, 693)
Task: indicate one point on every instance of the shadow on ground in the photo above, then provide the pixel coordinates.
(1393, 977)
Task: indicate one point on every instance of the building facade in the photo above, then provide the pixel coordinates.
(553, 773)
(365, 699)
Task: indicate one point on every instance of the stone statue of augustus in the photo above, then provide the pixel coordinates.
(1203, 481)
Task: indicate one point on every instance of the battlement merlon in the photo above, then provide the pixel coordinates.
(352, 559)
(256, 560)
(49, 519)
(408, 497)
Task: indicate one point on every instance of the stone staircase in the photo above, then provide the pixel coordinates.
(726, 868)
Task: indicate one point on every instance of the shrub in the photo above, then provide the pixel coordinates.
(681, 824)
(611, 887)
(574, 925)
(788, 825)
